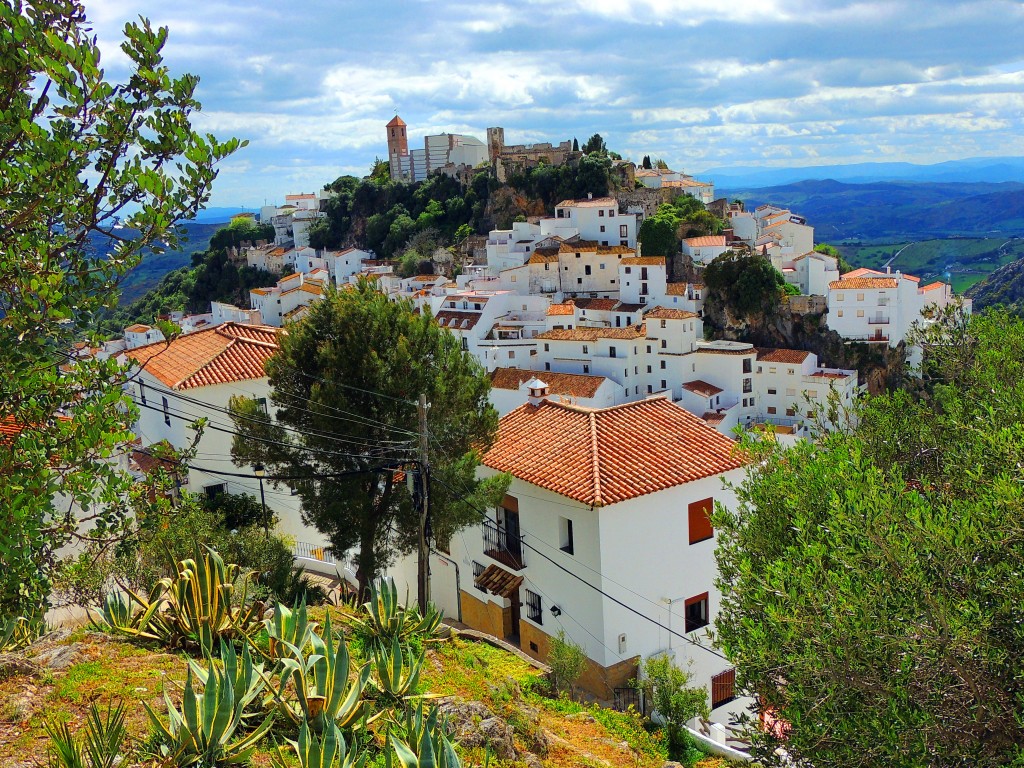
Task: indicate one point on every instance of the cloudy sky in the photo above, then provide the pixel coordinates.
(701, 83)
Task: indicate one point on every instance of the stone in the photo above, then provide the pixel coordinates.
(60, 657)
(497, 734)
(472, 724)
(532, 761)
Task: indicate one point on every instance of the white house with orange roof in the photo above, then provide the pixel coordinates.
(597, 219)
(511, 388)
(174, 384)
(345, 263)
(498, 328)
(281, 303)
(604, 534)
(140, 334)
(705, 248)
(881, 307)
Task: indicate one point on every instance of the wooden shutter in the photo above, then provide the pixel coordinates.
(723, 688)
(700, 520)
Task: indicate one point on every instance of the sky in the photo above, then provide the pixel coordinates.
(700, 83)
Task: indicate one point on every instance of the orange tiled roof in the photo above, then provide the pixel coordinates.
(713, 417)
(543, 258)
(593, 334)
(654, 261)
(451, 318)
(607, 455)
(933, 286)
(665, 313)
(571, 384)
(863, 282)
(861, 272)
(705, 240)
(701, 387)
(675, 289)
(10, 428)
(395, 122)
(831, 375)
(597, 305)
(911, 278)
(219, 355)
(771, 355)
(597, 202)
(568, 308)
(137, 328)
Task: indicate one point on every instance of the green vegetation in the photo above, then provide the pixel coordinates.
(361, 353)
(1003, 288)
(667, 688)
(871, 588)
(78, 151)
(567, 661)
(680, 218)
(745, 284)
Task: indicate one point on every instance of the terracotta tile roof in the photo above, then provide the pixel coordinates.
(424, 278)
(861, 272)
(10, 428)
(219, 355)
(157, 456)
(701, 387)
(624, 307)
(304, 196)
(597, 202)
(596, 305)
(911, 278)
(578, 246)
(593, 334)
(568, 308)
(602, 456)
(771, 355)
(654, 261)
(543, 258)
(611, 250)
(863, 282)
(451, 318)
(933, 286)
(831, 375)
(138, 328)
(571, 384)
(713, 417)
(498, 581)
(395, 122)
(277, 252)
(705, 240)
(675, 289)
(260, 291)
(664, 313)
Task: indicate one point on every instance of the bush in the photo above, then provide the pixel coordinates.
(567, 661)
(666, 687)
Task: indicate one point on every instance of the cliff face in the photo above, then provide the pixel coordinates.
(880, 366)
(1003, 287)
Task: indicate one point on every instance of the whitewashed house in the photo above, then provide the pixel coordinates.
(512, 387)
(705, 248)
(605, 504)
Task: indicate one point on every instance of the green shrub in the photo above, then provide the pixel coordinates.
(567, 661)
(666, 687)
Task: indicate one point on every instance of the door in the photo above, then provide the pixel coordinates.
(512, 631)
(513, 541)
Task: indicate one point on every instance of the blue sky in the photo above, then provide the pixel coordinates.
(701, 83)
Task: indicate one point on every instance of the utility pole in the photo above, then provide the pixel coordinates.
(423, 580)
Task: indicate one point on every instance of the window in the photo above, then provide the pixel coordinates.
(860, 297)
(664, 343)
(611, 211)
(547, 366)
(565, 535)
(744, 402)
(663, 365)
(812, 394)
(696, 612)
(602, 265)
(586, 349)
(773, 369)
(748, 385)
(790, 372)
(611, 353)
(602, 227)
(628, 270)
(748, 365)
(790, 392)
(700, 520)
(663, 386)
(771, 391)
(213, 491)
(839, 297)
(547, 347)
(839, 313)
(167, 413)
(860, 313)
(586, 368)
(533, 608)
(648, 369)
(791, 412)
(511, 355)
(772, 409)
(623, 230)
(261, 403)
(723, 688)
(600, 213)
(465, 344)
(664, 323)
(478, 568)
(579, 281)
(586, 269)
(142, 392)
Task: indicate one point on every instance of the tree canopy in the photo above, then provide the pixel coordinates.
(871, 580)
(79, 154)
(744, 283)
(682, 217)
(344, 385)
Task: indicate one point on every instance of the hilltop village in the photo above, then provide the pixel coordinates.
(618, 410)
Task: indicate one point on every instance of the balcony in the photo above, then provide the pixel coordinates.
(503, 546)
(879, 320)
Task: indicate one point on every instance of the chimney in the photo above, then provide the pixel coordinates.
(590, 195)
(538, 391)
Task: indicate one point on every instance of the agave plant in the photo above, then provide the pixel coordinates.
(323, 693)
(397, 672)
(289, 627)
(128, 613)
(203, 733)
(100, 746)
(420, 742)
(198, 598)
(313, 752)
(385, 618)
(17, 632)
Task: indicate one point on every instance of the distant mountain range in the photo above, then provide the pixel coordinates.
(896, 211)
(992, 170)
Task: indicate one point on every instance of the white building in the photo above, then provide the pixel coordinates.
(705, 248)
(511, 388)
(286, 301)
(881, 307)
(195, 376)
(345, 263)
(140, 334)
(598, 219)
(620, 497)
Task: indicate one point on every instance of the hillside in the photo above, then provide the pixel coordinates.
(489, 695)
(896, 211)
(1003, 287)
